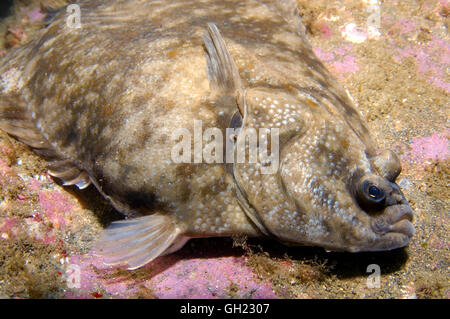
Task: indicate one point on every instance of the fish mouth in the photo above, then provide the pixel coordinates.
(394, 227)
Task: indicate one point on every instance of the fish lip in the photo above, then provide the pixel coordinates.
(395, 219)
(391, 240)
(393, 229)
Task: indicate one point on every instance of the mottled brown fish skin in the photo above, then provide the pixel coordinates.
(107, 96)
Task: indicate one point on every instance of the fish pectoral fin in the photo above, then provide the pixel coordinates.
(17, 122)
(223, 75)
(137, 241)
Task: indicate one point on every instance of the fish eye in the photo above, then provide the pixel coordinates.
(372, 192)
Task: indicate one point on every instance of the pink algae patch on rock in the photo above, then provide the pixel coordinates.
(169, 277)
(210, 278)
(54, 205)
(8, 223)
(9, 227)
(434, 147)
(432, 61)
(324, 29)
(403, 26)
(348, 65)
(324, 56)
(4, 169)
(36, 15)
(338, 61)
(86, 274)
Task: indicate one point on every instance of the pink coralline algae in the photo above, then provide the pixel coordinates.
(35, 15)
(325, 31)
(403, 26)
(432, 60)
(347, 65)
(167, 277)
(6, 225)
(339, 61)
(323, 55)
(54, 205)
(434, 147)
(210, 278)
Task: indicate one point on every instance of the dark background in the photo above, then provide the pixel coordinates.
(5, 7)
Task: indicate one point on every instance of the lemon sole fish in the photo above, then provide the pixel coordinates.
(100, 103)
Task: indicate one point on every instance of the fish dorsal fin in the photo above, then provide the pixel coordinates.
(225, 82)
(136, 242)
(16, 120)
(223, 74)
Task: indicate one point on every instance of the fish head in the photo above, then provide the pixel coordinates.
(323, 183)
(329, 189)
